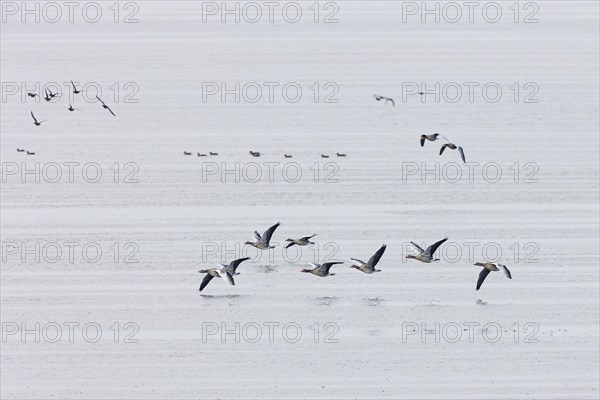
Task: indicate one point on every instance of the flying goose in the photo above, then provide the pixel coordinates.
(324, 156)
(213, 154)
(52, 95)
(262, 242)
(452, 146)
(75, 91)
(31, 153)
(185, 153)
(105, 106)
(426, 256)
(71, 108)
(489, 267)
(321, 269)
(201, 154)
(432, 138)
(47, 98)
(387, 99)
(340, 154)
(35, 121)
(233, 265)
(369, 266)
(20, 150)
(255, 153)
(287, 155)
(31, 94)
(215, 273)
(303, 241)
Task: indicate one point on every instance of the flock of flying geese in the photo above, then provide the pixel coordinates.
(433, 137)
(49, 97)
(262, 242)
(254, 154)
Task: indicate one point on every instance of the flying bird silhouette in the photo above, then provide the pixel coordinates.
(75, 91)
(35, 121)
(105, 106)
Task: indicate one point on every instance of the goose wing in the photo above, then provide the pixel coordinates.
(111, 111)
(234, 264)
(266, 237)
(443, 148)
(417, 247)
(256, 236)
(314, 265)
(326, 266)
(361, 262)
(482, 275)
(462, 154)
(423, 140)
(308, 237)
(505, 271)
(207, 278)
(431, 249)
(375, 258)
(33, 117)
(100, 100)
(226, 276)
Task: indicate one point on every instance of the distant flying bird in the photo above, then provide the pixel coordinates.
(20, 150)
(47, 98)
(35, 121)
(52, 95)
(421, 93)
(71, 108)
(287, 155)
(303, 241)
(426, 256)
(432, 138)
(340, 154)
(369, 266)
(185, 153)
(452, 146)
(255, 153)
(105, 106)
(321, 269)
(31, 153)
(262, 242)
(387, 99)
(201, 155)
(324, 156)
(75, 91)
(489, 267)
(215, 273)
(31, 94)
(213, 154)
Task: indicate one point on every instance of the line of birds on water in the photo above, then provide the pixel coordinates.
(262, 242)
(255, 154)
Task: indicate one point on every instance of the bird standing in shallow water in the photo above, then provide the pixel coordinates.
(489, 267)
(321, 270)
(262, 242)
(426, 256)
(369, 266)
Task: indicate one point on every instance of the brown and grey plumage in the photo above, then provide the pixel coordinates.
(432, 138)
(387, 99)
(452, 146)
(215, 273)
(262, 242)
(426, 256)
(489, 267)
(232, 266)
(303, 241)
(321, 269)
(369, 266)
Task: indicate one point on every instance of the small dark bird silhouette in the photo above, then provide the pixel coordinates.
(213, 154)
(31, 153)
(71, 108)
(324, 156)
(185, 153)
(287, 155)
(52, 95)
(47, 98)
(387, 99)
(35, 121)
(255, 153)
(31, 94)
(201, 155)
(75, 91)
(340, 154)
(105, 106)
(20, 150)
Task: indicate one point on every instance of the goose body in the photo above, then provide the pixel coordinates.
(321, 270)
(426, 256)
(262, 242)
(387, 99)
(452, 146)
(432, 138)
(215, 273)
(490, 267)
(369, 266)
